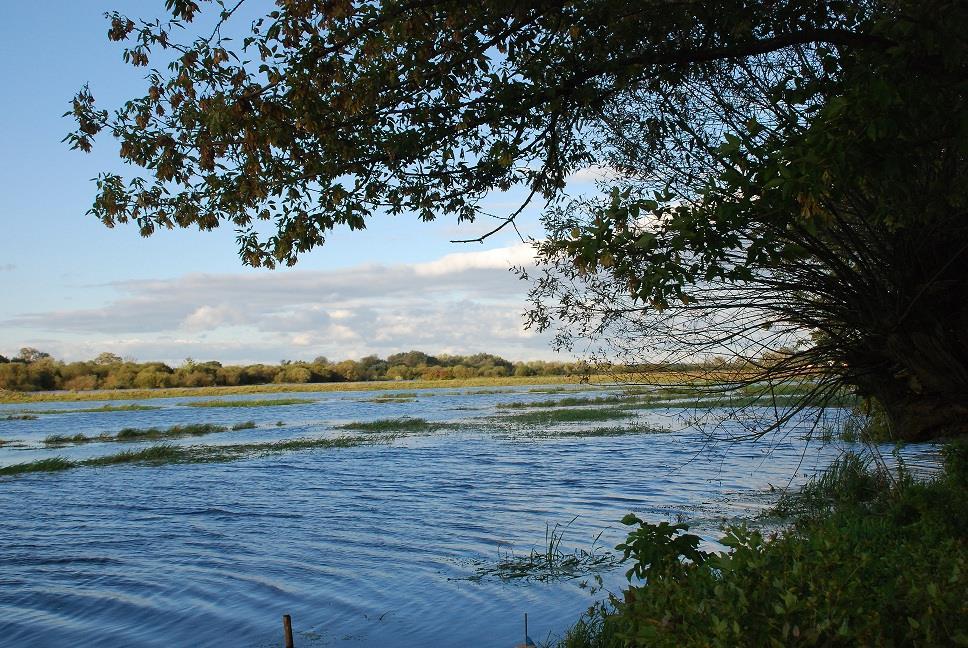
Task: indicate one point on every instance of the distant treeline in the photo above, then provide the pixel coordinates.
(34, 370)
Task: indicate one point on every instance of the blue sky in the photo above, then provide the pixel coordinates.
(75, 288)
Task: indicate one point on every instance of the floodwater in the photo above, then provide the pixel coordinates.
(375, 545)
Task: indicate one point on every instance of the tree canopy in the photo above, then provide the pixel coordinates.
(790, 166)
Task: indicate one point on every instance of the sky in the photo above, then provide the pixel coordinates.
(74, 288)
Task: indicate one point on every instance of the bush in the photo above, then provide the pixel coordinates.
(870, 561)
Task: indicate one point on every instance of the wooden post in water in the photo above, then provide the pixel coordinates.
(525, 628)
(287, 630)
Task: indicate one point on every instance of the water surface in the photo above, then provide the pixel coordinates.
(376, 545)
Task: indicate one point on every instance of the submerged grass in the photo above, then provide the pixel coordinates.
(270, 402)
(147, 434)
(103, 408)
(625, 430)
(64, 439)
(174, 432)
(567, 402)
(402, 424)
(577, 415)
(389, 399)
(168, 454)
(43, 465)
(162, 453)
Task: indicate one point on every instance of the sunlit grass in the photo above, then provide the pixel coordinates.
(389, 399)
(616, 431)
(170, 454)
(403, 424)
(146, 434)
(64, 439)
(574, 415)
(103, 408)
(268, 402)
(566, 402)
(43, 465)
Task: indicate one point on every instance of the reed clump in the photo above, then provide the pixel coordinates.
(267, 402)
(402, 424)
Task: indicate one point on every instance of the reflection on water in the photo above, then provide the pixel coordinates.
(364, 546)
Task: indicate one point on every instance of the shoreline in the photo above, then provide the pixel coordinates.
(12, 397)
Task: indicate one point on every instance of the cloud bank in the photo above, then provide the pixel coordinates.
(461, 303)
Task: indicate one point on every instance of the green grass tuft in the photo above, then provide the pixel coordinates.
(64, 439)
(245, 425)
(403, 424)
(174, 432)
(567, 402)
(163, 453)
(577, 415)
(145, 434)
(624, 430)
(103, 408)
(43, 465)
(269, 402)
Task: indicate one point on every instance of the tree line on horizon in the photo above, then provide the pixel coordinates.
(33, 370)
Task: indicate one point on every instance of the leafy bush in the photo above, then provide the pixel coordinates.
(871, 561)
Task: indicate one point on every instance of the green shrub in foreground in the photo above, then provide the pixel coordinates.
(872, 569)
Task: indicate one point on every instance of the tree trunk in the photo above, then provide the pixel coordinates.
(918, 372)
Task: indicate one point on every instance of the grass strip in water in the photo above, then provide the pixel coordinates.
(402, 424)
(147, 434)
(269, 402)
(19, 417)
(576, 415)
(65, 439)
(567, 402)
(43, 465)
(103, 408)
(389, 399)
(162, 453)
(169, 454)
(174, 432)
(625, 430)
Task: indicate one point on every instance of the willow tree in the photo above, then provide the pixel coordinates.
(794, 165)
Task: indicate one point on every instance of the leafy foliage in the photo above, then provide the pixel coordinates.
(323, 112)
(810, 202)
(880, 567)
(658, 548)
(789, 177)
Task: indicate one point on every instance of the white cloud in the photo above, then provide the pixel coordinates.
(496, 259)
(461, 303)
(593, 173)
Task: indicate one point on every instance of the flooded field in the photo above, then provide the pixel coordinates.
(373, 518)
